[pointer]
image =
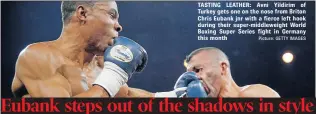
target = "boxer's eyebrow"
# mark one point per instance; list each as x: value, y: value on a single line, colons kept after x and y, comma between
x: 193, y: 67
x: 112, y: 10
x: 197, y: 66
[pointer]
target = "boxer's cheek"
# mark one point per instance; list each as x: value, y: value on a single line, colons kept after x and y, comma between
x: 217, y: 84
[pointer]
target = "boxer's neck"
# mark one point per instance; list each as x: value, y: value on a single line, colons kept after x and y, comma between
x: 230, y: 90
x: 72, y: 44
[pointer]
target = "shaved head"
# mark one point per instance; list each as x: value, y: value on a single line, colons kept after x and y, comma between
x: 215, y: 54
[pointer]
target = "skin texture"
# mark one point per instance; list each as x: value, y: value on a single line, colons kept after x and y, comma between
x: 213, y: 69
x: 68, y: 66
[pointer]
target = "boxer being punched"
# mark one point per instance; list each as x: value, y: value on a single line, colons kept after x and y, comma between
x: 212, y: 67
x: 87, y: 60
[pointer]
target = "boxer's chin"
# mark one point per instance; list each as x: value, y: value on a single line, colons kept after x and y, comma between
x: 210, y: 94
x: 96, y: 49
x: 99, y: 53
x: 101, y: 50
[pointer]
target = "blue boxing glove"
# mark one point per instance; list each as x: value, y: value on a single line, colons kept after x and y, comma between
x: 127, y: 54
x: 193, y: 84
x: 187, y: 85
x: 121, y: 61
x: 195, y: 89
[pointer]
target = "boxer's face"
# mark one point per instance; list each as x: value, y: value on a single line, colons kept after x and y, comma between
x: 102, y: 25
x: 208, y: 71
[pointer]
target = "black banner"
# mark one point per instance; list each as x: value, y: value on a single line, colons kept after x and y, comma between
x: 152, y: 105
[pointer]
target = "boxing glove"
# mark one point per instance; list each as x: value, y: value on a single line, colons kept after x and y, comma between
x: 195, y: 89
x: 121, y: 61
x: 187, y: 85
x: 193, y: 84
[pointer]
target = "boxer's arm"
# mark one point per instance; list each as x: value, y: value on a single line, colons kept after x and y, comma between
x: 53, y: 86
x: 135, y: 92
x: 260, y: 90
x: 126, y: 91
x: 57, y: 86
x: 186, y: 82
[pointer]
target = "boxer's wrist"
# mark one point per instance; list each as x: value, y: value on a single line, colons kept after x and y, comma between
x: 99, y: 91
x: 176, y: 93
x: 111, y: 78
x: 166, y: 94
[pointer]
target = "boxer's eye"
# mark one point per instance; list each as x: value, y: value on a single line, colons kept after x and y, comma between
x: 112, y: 15
x: 196, y: 70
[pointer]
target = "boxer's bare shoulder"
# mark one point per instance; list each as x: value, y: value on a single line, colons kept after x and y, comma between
x: 41, y: 57
x: 37, y: 71
x: 258, y: 90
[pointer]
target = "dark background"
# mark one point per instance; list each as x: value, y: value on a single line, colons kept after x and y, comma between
x: 168, y: 31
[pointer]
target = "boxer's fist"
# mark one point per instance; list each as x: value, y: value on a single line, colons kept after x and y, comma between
x: 196, y: 89
x: 121, y: 60
x: 127, y: 54
x: 193, y: 84
x: 185, y: 79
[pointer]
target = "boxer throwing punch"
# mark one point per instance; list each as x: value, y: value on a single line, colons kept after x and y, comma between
x: 90, y: 60
x: 87, y: 60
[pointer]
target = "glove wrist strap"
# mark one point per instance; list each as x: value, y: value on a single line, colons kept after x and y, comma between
x: 166, y: 94
x: 111, y: 78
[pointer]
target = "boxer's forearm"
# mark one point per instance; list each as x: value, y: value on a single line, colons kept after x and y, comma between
x: 134, y: 92
x: 95, y: 91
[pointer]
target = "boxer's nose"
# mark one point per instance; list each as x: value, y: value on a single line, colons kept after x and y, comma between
x: 118, y: 27
x: 198, y: 76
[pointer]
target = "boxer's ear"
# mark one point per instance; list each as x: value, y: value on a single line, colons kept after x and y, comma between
x: 81, y: 13
x: 224, y: 68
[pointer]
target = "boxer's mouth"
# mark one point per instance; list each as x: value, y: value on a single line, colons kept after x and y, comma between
x: 207, y: 90
x: 111, y: 42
